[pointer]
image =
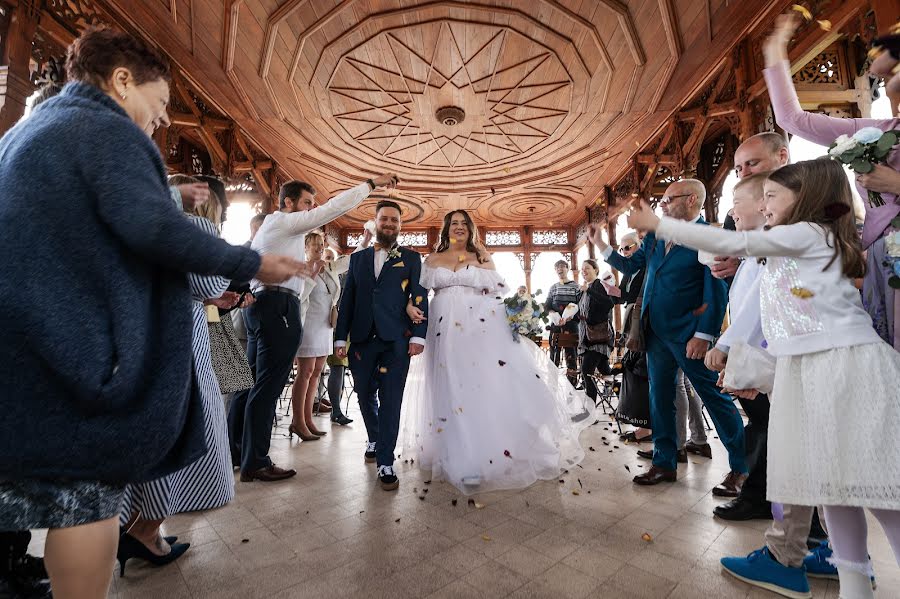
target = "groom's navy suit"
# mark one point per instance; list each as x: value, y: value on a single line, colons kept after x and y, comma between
x: 373, y: 317
x: 681, y: 300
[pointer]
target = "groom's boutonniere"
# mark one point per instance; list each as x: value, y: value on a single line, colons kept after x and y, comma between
x: 394, y: 253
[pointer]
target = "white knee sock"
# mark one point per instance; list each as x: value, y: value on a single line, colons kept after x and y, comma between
x: 854, y: 583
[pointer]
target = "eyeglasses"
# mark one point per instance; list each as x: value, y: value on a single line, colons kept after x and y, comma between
x: 629, y: 247
x: 666, y: 200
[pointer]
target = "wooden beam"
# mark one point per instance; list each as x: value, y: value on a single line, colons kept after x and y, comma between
x: 658, y: 159
x: 247, y: 166
x: 186, y: 119
x: 258, y: 174
x: 215, y: 149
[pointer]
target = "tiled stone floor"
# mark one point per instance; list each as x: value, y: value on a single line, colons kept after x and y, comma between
x: 332, y: 532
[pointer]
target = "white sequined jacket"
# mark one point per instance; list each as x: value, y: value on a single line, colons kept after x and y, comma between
x: 806, y: 304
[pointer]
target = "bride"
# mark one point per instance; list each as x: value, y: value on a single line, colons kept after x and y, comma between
x: 484, y: 411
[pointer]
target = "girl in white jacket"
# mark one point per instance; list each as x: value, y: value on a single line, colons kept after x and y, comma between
x: 833, y: 428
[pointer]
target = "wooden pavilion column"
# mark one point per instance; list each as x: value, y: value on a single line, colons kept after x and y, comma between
x: 15, y: 55
x: 526, y: 252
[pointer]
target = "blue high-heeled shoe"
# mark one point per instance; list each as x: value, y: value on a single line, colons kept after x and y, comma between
x: 130, y: 547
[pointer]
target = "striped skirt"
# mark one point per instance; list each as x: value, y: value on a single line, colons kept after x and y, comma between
x: 207, y: 483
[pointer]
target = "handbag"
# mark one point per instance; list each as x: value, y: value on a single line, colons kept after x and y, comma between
x: 634, y: 395
x: 229, y: 361
x: 597, y: 333
x: 633, y: 326
x: 749, y: 367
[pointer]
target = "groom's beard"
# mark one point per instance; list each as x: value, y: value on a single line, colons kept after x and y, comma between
x: 385, y: 239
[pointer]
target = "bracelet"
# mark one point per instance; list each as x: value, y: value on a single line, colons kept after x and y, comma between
x: 371, y: 184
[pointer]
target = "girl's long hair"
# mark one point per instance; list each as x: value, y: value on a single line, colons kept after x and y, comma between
x: 824, y: 198
x: 473, y: 244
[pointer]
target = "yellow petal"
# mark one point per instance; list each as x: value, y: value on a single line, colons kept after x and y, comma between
x: 478, y: 506
x: 825, y: 24
x: 646, y: 537
x: 462, y: 258
x: 440, y: 430
x: 803, y: 11
x: 418, y: 299
x: 382, y: 370
x: 802, y: 292
x: 576, y: 492
x: 485, y: 538
x: 404, y: 283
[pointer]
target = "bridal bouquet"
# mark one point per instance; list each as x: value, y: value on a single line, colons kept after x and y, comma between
x: 861, y: 152
x: 525, y: 316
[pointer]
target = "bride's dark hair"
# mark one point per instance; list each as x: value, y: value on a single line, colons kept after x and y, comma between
x: 473, y: 244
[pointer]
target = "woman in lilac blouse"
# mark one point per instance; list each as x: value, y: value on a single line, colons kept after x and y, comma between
x: 882, y: 303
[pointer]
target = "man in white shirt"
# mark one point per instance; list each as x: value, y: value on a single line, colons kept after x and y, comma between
x: 274, y: 330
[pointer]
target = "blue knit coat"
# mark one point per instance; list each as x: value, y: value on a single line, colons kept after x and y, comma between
x: 95, y: 315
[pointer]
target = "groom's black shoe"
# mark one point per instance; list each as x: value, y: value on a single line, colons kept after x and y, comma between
x: 370, y: 453
x: 387, y: 478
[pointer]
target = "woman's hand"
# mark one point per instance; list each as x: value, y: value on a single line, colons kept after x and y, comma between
x: 415, y: 314
x: 882, y: 179
x: 775, y: 46
x: 642, y: 218
x: 226, y: 301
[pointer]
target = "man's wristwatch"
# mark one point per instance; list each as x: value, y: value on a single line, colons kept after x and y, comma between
x: 371, y: 184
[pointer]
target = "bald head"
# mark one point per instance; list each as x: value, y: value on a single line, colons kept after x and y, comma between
x: 685, y: 198
x: 762, y: 152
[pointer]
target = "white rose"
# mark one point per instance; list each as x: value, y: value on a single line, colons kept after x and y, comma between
x: 868, y: 135
x: 844, y: 143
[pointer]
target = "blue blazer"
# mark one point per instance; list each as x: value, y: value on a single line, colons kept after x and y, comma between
x: 367, y: 302
x: 681, y: 296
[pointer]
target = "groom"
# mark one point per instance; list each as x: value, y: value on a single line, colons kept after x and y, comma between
x: 381, y: 281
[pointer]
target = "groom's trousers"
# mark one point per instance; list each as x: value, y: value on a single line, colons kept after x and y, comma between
x: 274, y: 332
x: 380, y: 366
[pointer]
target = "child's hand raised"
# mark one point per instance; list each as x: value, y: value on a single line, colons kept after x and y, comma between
x: 641, y: 217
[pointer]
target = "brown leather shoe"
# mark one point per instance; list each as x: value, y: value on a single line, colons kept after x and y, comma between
x: 267, y: 475
x: 731, y: 486
x: 655, y: 475
x: 704, y: 450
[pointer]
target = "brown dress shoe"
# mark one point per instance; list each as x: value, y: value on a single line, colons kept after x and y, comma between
x: 267, y: 474
x: 701, y: 450
x: 655, y: 475
x: 731, y: 486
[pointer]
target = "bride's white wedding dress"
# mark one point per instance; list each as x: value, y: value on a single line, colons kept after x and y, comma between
x: 482, y: 411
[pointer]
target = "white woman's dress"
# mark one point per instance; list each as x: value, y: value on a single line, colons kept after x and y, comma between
x: 482, y: 411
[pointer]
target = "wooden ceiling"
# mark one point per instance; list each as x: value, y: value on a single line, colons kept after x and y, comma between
x: 549, y: 99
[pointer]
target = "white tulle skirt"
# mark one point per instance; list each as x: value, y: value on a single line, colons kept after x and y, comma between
x: 833, y: 428
x: 482, y: 411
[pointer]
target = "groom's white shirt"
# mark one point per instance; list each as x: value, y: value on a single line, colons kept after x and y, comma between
x: 381, y: 255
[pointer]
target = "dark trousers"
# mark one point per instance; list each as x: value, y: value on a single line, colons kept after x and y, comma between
x: 380, y: 367
x: 756, y: 441
x: 664, y: 358
x: 336, y: 389
x: 274, y: 332
x: 591, y: 362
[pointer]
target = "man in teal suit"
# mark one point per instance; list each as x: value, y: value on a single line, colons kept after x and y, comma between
x: 683, y: 309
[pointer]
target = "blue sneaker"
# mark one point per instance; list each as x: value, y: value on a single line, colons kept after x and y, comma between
x: 762, y: 570
x: 818, y: 566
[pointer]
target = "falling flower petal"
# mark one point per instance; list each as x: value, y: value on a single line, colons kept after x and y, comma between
x: 418, y: 299
x: 440, y: 430
x: 646, y: 537
x: 501, y: 362
x: 591, y: 449
x: 245, y: 540
x: 506, y: 453
x: 627, y: 468
x: 403, y: 284
x: 802, y: 292
x: 462, y: 258
x: 397, y: 520
x: 382, y: 370
x: 478, y: 506
x: 803, y: 11
x: 576, y: 492
x: 485, y: 538
x: 824, y: 24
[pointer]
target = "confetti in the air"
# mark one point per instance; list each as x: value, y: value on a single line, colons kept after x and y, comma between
x: 803, y: 11
x: 646, y: 537
x: 802, y: 292
x: 403, y: 284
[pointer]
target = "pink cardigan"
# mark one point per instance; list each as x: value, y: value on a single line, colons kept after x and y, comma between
x: 823, y: 130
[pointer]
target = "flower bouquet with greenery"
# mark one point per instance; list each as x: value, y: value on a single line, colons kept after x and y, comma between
x: 525, y: 316
x: 863, y: 150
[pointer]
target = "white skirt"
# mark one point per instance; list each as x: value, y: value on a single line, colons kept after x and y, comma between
x: 834, y: 428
